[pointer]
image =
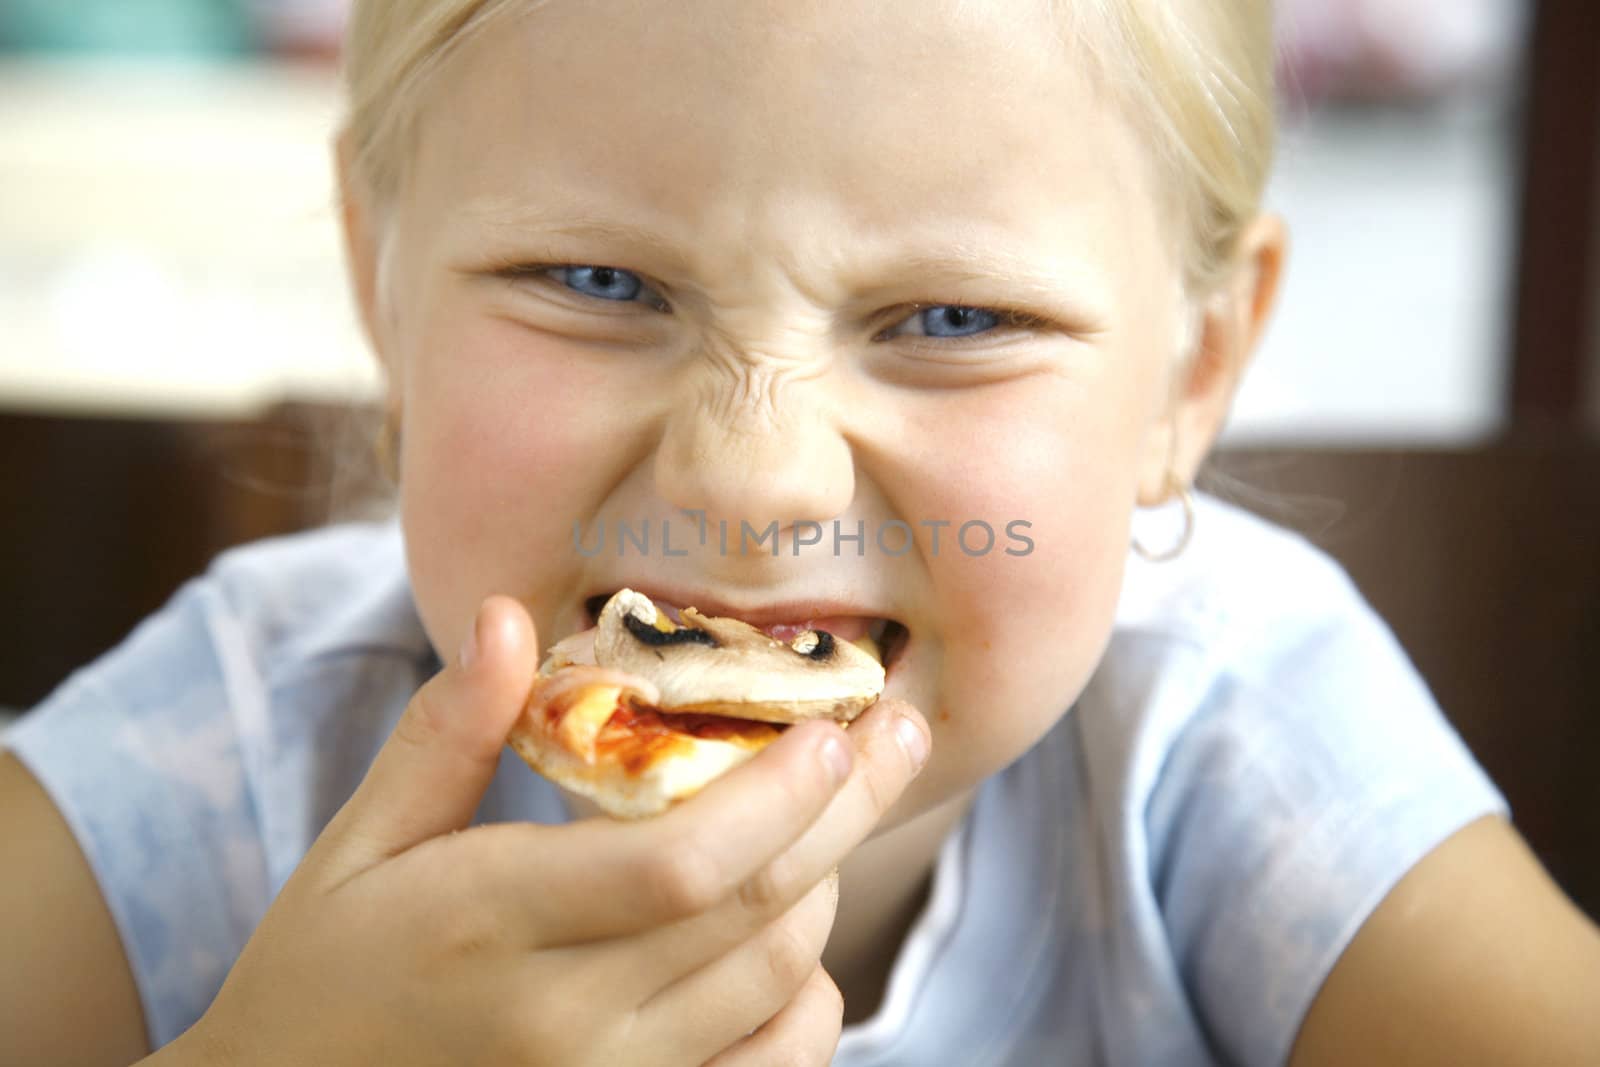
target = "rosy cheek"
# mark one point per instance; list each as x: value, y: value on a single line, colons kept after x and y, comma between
x: 502, y: 451
x: 1050, y: 489
x: 1064, y: 489
x: 506, y: 415
x: 1043, y: 596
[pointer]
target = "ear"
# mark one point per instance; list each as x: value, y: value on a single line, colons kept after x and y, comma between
x: 1203, y: 385
x: 361, y: 245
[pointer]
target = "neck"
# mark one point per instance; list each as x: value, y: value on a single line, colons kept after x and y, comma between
x: 883, y: 886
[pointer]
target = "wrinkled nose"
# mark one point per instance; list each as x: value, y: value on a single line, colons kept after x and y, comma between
x: 777, y: 456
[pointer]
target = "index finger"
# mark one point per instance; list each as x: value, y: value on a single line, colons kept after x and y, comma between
x: 599, y: 879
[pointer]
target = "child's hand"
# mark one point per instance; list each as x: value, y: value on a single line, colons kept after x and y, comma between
x: 399, y: 941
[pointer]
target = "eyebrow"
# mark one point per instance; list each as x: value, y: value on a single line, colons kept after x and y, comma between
x: 524, y: 222
x: 1021, y: 274
x: 1072, y: 288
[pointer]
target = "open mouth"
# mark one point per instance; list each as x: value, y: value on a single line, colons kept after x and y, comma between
x: 883, y: 638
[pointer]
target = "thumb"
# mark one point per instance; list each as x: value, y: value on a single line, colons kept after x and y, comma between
x: 431, y: 774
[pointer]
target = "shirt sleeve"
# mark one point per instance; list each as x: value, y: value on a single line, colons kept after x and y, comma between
x: 141, y: 754
x: 1288, y: 807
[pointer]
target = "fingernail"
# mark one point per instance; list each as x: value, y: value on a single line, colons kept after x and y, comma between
x: 836, y: 757
x: 913, y: 740
x: 469, y: 647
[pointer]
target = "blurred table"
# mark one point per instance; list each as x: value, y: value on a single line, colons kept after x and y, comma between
x: 168, y: 240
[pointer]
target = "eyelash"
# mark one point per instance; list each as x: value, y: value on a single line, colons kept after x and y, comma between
x: 1009, y: 319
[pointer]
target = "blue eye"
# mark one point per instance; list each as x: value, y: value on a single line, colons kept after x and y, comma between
x: 604, y: 283
x: 618, y: 286
x: 958, y: 321
x: 950, y: 320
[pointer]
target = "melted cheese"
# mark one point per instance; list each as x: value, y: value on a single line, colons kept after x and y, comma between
x: 588, y: 715
x: 672, y: 754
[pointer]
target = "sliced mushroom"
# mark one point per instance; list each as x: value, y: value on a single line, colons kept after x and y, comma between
x: 574, y: 650
x: 722, y: 666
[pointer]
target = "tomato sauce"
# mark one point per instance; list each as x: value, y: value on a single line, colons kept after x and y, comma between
x: 637, y: 737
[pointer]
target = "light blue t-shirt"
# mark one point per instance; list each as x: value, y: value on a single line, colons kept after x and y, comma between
x: 1166, y: 878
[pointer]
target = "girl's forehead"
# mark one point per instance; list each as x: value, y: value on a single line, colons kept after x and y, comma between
x: 730, y: 116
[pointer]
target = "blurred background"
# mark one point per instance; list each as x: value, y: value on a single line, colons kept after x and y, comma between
x: 165, y: 197
x: 180, y: 368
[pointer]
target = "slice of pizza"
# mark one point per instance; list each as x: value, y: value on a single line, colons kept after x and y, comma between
x: 643, y: 711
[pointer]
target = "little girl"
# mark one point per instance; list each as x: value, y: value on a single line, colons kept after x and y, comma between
x: 956, y: 294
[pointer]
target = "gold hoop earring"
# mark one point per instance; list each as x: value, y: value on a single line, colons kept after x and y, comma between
x: 1186, y: 498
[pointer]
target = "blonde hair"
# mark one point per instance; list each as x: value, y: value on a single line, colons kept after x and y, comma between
x: 392, y: 49
x: 1195, y: 76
